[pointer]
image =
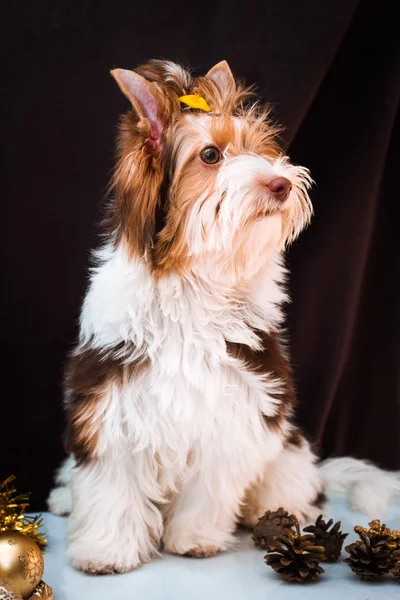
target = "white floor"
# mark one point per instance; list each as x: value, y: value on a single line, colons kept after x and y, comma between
x: 239, y: 575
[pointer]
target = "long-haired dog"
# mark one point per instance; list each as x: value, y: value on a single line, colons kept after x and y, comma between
x: 179, y: 394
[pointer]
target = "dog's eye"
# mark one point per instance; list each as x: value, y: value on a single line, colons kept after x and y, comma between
x: 210, y: 155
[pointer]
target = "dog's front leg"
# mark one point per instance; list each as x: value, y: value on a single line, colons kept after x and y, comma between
x: 114, y: 525
x: 201, y: 520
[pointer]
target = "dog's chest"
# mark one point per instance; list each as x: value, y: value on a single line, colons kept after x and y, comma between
x: 194, y: 395
x: 192, y: 392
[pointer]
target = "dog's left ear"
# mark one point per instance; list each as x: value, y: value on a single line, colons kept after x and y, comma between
x: 142, y: 95
x: 222, y: 76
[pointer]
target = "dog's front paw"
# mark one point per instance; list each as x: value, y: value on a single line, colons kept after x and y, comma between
x: 197, y: 545
x: 97, y: 560
x: 203, y: 551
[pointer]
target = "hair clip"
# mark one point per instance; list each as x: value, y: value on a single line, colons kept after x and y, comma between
x: 195, y: 101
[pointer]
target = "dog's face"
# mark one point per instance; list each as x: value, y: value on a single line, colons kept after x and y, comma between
x: 202, y: 189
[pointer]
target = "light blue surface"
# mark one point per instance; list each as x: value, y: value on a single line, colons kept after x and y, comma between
x: 238, y: 575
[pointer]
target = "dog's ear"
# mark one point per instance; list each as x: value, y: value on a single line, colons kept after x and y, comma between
x: 222, y: 76
x: 142, y: 95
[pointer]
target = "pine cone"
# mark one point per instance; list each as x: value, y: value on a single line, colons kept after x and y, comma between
x: 370, y: 558
x: 396, y: 569
x: 331, y: 540
x: 271, y: 525
x: 295, y: 557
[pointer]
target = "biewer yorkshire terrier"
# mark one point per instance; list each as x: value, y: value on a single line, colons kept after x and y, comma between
x: 179, y: 394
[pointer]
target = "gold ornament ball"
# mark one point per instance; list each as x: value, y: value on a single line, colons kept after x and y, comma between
x: 21, y: 562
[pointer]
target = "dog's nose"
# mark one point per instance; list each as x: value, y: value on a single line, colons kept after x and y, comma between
x: 280, y: 188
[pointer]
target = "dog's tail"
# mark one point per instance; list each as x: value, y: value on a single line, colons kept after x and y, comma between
x: 369, y: 489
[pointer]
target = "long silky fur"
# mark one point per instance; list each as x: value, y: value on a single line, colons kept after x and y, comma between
x: 179, y: 394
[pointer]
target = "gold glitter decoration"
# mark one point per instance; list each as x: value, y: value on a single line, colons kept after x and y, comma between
x: 12, y: 513
x: 21, y: 561
x: 8, y: 591
x: 42, y: 592
x: 379, y: 531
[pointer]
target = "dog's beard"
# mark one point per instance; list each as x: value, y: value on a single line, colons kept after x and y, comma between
x: 232, y: 228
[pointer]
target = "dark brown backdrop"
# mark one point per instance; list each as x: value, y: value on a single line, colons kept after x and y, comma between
x: 331, y: 70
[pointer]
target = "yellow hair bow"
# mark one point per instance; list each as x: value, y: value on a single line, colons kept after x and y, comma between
x: 195, y: 101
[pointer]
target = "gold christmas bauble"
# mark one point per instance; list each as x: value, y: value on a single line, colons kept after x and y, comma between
x: 21, y: 562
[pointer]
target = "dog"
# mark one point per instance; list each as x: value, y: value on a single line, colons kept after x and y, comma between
x: 179, y: 394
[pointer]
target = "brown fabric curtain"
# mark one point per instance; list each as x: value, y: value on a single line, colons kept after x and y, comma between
x: 331, y: 72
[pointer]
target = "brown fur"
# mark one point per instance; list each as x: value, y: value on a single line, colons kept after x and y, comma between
x: 148, y: 212
x: 251, y: 509
x: 320, y: 500
x: 170, y: 250
x: 88, y: 374
x: 295, y: 438
x: 133, y: 211
x: 270, y: 359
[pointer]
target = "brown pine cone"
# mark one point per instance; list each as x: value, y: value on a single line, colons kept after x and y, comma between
x: 396, y: 570
x: 331, y: 540
x: 370, y: 558
x: 271, y: 525
x: 296, y: 557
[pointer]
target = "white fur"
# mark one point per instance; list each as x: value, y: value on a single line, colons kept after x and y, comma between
x: 182, y: 442
x: 60, y: 499
x: 179, y: 444
x: 114, y: 524
x: 216, y: 242
x: 289, y: 479
x: 368, y: 488
x: 64, y: 473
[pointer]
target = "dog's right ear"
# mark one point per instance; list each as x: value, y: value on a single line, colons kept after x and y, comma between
x: 221, y: 74
x: 142, y: 95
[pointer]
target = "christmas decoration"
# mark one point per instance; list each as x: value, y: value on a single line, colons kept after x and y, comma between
x: 296, y: 557
x: 42, y: 592
x: 12, y: 513
x: 378, y: 532
x: 370, y: 557
x: 21, y: 562
x: 8, y: 591
x: 330, y: 539
x: 271, y: 525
